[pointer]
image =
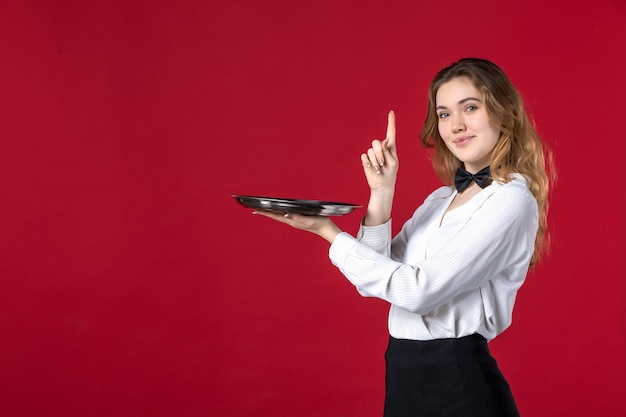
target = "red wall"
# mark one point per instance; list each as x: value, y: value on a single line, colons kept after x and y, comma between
x: 132, y: 284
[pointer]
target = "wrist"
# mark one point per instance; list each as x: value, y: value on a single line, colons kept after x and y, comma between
x: 329, y: 232
x: 382, y: 194
x: 379, y: 208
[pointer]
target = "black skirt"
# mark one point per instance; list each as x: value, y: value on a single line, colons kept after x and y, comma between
x: 445, y: 377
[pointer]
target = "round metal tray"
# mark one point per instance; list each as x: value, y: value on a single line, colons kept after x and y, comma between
x: 295, y: 206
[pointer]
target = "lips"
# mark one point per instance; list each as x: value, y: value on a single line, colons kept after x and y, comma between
x: 462, y: 140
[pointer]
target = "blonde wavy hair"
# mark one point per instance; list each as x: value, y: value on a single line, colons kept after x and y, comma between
x: 519, y: 148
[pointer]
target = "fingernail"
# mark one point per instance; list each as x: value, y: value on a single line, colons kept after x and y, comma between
x: 288, y: 216
x: 381, y: 161
x: 386, y: 141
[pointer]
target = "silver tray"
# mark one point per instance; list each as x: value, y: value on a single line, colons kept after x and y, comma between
x: 295, y: 206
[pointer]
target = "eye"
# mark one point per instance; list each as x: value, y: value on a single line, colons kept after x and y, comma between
x: 471, y: 108
x: 443, y: 115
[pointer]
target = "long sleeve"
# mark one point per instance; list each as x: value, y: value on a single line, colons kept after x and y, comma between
x: 490, y: 239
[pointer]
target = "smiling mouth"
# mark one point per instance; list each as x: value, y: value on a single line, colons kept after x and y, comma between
x: 462, y: 140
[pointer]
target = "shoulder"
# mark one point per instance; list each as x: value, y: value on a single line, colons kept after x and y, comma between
x: 517, y: 185
x: 515, y: 192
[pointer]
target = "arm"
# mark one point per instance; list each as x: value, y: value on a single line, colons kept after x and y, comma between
x: 380, y: 165
x: 497, y: 241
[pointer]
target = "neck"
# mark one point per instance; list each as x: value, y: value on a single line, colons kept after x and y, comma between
x: 473, y: 169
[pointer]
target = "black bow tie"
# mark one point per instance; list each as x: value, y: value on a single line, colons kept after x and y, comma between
x: 463, y: 179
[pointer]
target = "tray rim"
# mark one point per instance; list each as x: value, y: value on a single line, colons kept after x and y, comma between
x: 302, y: 206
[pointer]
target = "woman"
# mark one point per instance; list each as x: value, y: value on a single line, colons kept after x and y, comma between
x: 452, y: 273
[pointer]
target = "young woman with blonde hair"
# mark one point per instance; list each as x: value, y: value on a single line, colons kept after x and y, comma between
x: 452, y: 273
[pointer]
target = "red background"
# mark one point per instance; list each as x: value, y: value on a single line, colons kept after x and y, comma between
x: 132, y: 284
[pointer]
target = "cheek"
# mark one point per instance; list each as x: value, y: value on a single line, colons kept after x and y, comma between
x: 441, y: 130
x: 496, y: 133
x: 493, y: 127
x: 447, y: 144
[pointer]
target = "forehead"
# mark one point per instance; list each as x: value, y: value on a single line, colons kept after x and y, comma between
x: 454, y: 91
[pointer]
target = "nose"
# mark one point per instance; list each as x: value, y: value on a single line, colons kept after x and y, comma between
x: 458, y: 124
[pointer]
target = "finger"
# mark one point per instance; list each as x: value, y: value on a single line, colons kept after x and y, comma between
x: 379, y: 153
x: 365, y: 160
x: 391, y: 132
x: 275, y: 216
x: 373, y: 160
x: 368, y: 166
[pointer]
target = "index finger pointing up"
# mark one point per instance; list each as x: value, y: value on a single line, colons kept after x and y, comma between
x: 391, y: 131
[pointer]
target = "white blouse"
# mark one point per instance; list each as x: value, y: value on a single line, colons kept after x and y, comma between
x: 452, y: 276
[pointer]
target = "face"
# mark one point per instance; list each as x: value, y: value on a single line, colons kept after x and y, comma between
x: 464, y: 123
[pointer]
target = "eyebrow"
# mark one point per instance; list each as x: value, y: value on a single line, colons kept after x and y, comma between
x: 462, y: 102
